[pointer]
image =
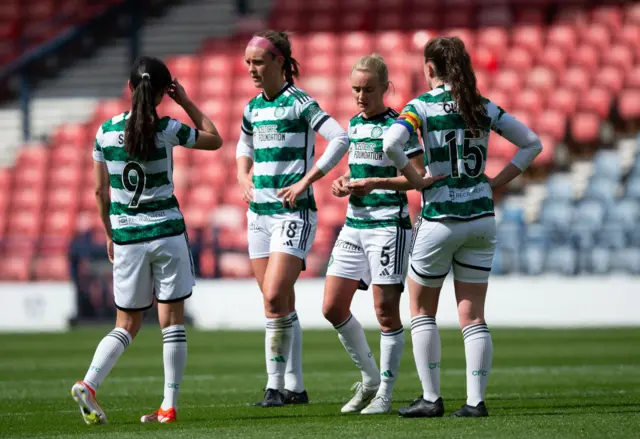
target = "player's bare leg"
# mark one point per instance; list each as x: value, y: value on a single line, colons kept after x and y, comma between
x: 338, y: 295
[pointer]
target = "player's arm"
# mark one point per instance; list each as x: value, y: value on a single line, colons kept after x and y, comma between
x: 244, y: 156
x: 366, y: 185
x: 393, y: 144
x: 206, y: 135
x: 101, y: 184
x: 338, y: 146
x: 523, y: 137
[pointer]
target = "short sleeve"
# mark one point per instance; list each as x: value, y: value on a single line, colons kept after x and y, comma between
x: 98, y: 156
x: 181, y: 134
x: 246, y: 126
x: 311, y: 112
x: 410, y: 118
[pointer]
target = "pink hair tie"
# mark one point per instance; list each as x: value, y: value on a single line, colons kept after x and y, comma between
x: 265, y: 44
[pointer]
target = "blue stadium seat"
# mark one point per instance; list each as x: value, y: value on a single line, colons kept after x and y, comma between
x: 505, y: 261
x: 532, y: 260
x: 590, y: 213
x: 582, y: 236
x: 513, y: 214
x: 612, y: 235
x: 561, y: 260
x: 607, y: 165
x: 632, y: 189
x: 556, y: 215
x: 537, y: 235
x: 626, y: 260
x: 559, y: 188
x: 634, y: 237
x: 601, y: 189
x: 496, y: 265
x: 597, y: 261
x: 624, y: 212
x: 509, y: 235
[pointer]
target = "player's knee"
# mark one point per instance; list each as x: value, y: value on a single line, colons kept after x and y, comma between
x: 388, y: 315
x: 275, y: 303
x: 335, y: 313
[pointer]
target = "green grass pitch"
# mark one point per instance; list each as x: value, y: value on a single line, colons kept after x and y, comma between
x: 545, y: 383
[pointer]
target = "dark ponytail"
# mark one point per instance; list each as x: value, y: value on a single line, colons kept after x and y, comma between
x: 452, y: 64
x: 290, y: 67
x: 149, y: 78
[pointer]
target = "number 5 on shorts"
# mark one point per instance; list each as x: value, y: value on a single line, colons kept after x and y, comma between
x: 384, y: 256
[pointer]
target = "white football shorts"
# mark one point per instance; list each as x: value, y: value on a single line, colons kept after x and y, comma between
x: 468, y: 246
x: 377, y: 256
x: 163, y: 267
x: 291, y: 233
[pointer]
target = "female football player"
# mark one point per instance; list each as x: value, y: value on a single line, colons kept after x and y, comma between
x: 146, y: 234
x: 373, y: 246
x: 457, y: 225
x: 277, y: 141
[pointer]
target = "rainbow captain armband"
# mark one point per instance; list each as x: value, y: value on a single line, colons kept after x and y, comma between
x: 410, y: 121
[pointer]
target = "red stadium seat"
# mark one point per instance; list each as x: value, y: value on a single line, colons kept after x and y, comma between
x: 576, y: 79
x: 523, y: 116
x: 233, y: 239
x: 541, y: 79
x: 208, y: 263
x: 585, y: 127
x: 59, y: 223
x: 63, y: 198
x: 508, y: 81
x: 571, y: 15
x: 72, y: 135
x: 483, y: 81
x: 620, y: 56
x: 67, y: 155
x: 552, y: 123
x: 563, y: 36
x: 495, y: 39
x: 53, y: 268
x: 235, y: 265
x: 629, y: 35
x: 24, y: 223
x: 467, y: 35
x: 15, y: 268
x: 563, y: 100
x: 184, y: 67
x: 390, y: 42
x: 529, y: 100
x: 529, y: 37
x: 494, y: 166
x: 461, y: 17
x: 107, y: 109
x: 586, y: 57
x: 216, y: 66
x: 203, y: 195
x: 499, y: 147
x: 611, y: 78
x: 608, y: 15
x: 598, y: 36
x: 632, y: 13
x: 597, y: 100
x: 196, y: 216
x: 629, y: 104
x: 518, y: 59
x: 216, y: 87
x: 65, y: 176
x: 531, y: 16
x: 553, y: 58
x: 322, y: 42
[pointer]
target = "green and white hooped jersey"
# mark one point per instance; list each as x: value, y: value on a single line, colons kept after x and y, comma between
x: 454, y: 151
x: 143, y: 207
x: 382, y: 207
x: 282, y: 130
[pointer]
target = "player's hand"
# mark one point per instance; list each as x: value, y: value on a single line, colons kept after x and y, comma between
x: 339, y: 187
x: 362, y: 187
x: 110, y: 249
x: 290, y: 194
x: 177, y: 93
x: 246, y: 184
x: 428, y: 180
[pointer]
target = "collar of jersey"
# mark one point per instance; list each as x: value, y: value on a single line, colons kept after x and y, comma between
x: 377, y: 116
x: 282, y: 90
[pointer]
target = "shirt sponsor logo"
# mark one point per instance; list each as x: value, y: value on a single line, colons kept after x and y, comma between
x: 365, y: 151
x: 269, y: 133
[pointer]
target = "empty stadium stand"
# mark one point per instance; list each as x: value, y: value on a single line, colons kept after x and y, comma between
x: 571, y: 73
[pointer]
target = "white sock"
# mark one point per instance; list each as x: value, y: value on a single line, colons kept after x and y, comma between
x: 293, y: 379
x: 478, y: 349
x: 174, y: 353
x: 427, y: 353
x: 277, y: 349
x: 107, y: 353
x: 391, y: 346
x: 352, y: 336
